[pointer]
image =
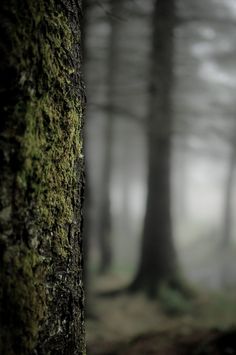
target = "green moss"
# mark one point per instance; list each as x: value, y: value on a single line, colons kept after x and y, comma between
x: 22, y: 292
x: 51, y: 153
x: 50, y: 144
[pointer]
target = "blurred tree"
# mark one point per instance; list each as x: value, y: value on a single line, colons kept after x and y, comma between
x: 104, y: 213
x: 41, y: 295
x: 228, y: 195
x: 158, y: 255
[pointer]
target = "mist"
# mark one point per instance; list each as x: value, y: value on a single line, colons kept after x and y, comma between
x: 160, y: 140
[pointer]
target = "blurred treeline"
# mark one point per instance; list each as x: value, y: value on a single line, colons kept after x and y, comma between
x: 160, y: 142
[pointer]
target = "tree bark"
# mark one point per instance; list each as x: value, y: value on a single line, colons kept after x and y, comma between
x: 158, y: 256
x: 42, y: 100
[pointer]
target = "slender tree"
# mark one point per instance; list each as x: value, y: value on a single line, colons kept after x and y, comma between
x: 158, y: 255
x: 228, y: 210
x: 41, y: 294
x: 104, y: 217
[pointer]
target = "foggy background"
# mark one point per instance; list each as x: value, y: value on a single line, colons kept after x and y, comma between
x: 118, y: 56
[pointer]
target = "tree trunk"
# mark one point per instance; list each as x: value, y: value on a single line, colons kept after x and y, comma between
x: 104, y: 219
x: 158, y: 255
x: 228, y: 211
x: 41, y: 296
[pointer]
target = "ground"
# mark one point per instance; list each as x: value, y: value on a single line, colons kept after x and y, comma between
x: 132, y: 325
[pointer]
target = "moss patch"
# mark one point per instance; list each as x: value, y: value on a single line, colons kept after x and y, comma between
x: 21, y: 293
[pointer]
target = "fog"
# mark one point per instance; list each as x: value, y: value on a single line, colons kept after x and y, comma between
x: 118, y: 62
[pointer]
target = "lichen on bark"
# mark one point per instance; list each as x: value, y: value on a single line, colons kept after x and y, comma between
x: 42, y: 178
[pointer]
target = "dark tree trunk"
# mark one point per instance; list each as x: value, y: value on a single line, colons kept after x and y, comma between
x: 158, y: 256
x: 228, y: 210
x: 104, y: 219
x: 41, y: 295
x: 87, y: 214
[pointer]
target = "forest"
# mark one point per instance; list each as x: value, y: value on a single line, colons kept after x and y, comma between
x: 118, y: 163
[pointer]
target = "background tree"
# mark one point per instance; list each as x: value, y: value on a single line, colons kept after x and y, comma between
x: 42, y: 100
x: 228, y: 194
x: 104, y: 213
x: 158, y: 256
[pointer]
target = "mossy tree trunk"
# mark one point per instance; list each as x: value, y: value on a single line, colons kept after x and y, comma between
x: 41, y: 295
x: 158, y: 255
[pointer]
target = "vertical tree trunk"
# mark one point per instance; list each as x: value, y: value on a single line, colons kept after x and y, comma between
x: 228, y: 211
x: 41, y: 296
x: 158, y: 256
x: 104, y: 219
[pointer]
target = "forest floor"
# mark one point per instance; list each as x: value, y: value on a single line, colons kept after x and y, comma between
x: 134, y: 325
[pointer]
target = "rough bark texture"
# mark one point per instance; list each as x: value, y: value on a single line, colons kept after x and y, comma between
x: 41, y: 295
x: 158, y: 257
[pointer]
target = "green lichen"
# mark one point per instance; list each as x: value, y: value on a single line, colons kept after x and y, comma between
x: 22, y: 292
x: 50, y: 144
x: 49, y: 165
